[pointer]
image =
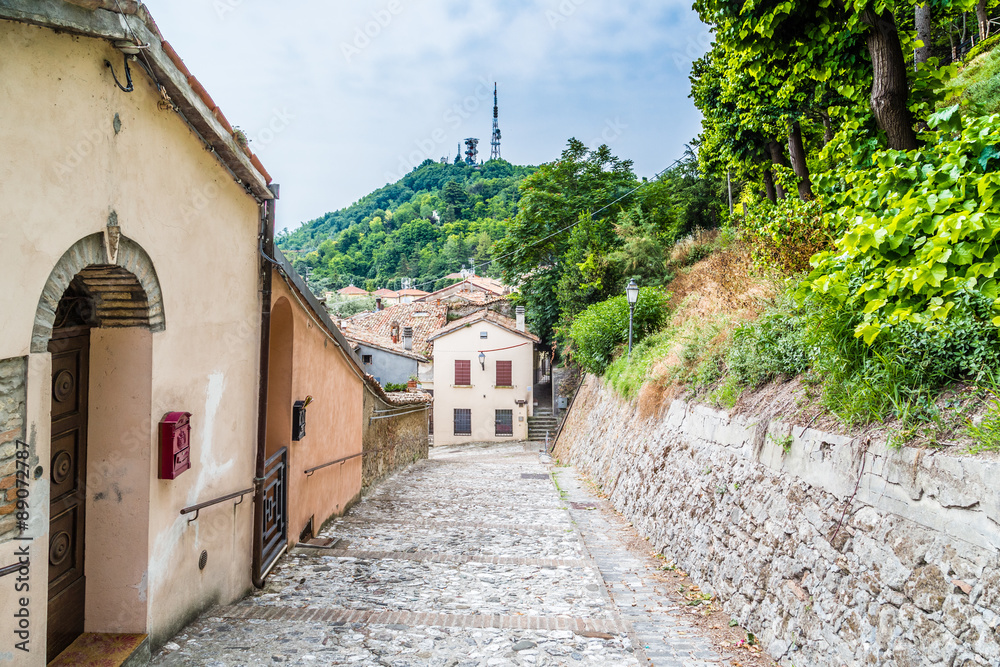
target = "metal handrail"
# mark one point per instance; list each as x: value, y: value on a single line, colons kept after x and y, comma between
x: 200, y: 506
x: 562, y: 422
x: 11, y: 569
x: 345, y: 459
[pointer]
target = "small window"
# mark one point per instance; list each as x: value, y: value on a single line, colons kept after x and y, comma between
x: 430, y: 422
x: 366, y: 358
x: 463, y: 421
x: 463, y: 372
x: 484, y: 334
x: 505, y: 422
x: 504, y: 374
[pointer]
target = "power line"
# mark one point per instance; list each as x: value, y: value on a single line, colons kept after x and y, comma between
x: 590, y: 216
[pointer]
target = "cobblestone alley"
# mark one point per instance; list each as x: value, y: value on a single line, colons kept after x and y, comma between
x: 474, y: 557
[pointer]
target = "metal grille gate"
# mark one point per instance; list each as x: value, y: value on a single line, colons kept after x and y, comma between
x: 275, y: 516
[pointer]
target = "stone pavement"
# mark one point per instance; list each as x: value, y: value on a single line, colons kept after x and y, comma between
x: 472, y: 558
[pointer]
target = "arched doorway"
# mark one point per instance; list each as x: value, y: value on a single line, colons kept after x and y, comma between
x: 96, y: 320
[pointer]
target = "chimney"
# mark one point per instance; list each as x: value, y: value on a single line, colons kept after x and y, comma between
x: 407, y: 338
x: 394, y: 332
x: 378, y: 303
x: 520, y: 318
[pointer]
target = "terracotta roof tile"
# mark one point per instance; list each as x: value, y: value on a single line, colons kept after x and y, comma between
x: 412, y: 292
x: 377, y: 326
x: 351, y: 290
x: 386, y: 293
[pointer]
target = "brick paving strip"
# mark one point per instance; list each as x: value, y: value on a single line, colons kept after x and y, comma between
x: 579, y: 626
x: 433, y: 557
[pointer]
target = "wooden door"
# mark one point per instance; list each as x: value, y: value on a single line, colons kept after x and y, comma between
x: 68, y: 476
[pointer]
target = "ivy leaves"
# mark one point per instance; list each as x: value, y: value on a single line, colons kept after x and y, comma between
x: 917, y: 230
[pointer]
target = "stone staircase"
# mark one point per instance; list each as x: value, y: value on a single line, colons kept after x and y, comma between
x: 543, y: 421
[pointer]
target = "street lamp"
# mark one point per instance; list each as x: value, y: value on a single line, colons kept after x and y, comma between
x: 632, y: 292
x: 482, y: 360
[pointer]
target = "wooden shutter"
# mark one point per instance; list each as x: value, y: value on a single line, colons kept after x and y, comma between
x: 463, y: 372
x: 504, y: 374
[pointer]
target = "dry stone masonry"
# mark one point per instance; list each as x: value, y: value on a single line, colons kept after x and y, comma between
x: 12, y: 415
x: 837, y: 552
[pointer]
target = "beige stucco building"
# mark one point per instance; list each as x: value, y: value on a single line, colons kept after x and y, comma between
x: 482, y: 379
x: 139, y: 295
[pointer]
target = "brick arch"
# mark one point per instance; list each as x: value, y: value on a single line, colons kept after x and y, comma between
x: 133, y: 276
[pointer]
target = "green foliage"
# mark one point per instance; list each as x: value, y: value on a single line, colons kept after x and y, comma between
x: 627, y: 377
x: 426, y: 225
x: 350, y: 307
x: 394, y: 386
x: 600, y: 329
x: 783, y: 235
x: 982, y: 47
x: 769, y: 346
x: 978, y: 84
x: 916, y: 230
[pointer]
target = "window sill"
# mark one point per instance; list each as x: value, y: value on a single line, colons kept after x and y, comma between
x: 503, y: 386
x: 463, y: 386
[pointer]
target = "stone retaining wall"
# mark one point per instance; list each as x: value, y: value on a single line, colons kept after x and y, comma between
x: 13, y: 399
x: 839, y: 552
x: 391, y: 444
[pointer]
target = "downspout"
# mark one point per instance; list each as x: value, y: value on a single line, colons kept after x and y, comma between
x: 267, y: 271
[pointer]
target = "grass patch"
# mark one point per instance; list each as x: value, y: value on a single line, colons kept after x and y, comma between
x: 979, y: 83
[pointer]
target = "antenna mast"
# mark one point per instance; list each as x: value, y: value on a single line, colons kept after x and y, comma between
x: 495, y: 143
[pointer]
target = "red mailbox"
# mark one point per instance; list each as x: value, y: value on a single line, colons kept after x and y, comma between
x: 175, y: 444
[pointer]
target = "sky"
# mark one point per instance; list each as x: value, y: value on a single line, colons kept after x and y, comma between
x: 339, y: 98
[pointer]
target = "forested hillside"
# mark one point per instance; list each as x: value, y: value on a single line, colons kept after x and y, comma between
x: 862, y: 255
x: 428, y: 224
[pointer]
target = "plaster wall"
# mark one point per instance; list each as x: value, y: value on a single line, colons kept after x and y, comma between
x: 333, y: 423
x: 903, y: 573
x: 387, y: 367
x: 483, y: 397
x: 65, y: 169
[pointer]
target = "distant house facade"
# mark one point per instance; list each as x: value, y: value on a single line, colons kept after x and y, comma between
x: 386, y: 297
x: 483, y: 379
x: 410, y: 295
x: 392, y: 342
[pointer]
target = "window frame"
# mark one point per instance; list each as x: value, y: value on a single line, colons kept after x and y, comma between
x: 497, y: 424
x: 455, y: 421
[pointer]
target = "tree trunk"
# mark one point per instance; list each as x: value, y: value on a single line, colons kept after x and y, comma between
x: 769, y: 186
x: 983, y: 19
x: 777, y: 157
x: 798, y: 154
x: 922, y: 17
x: 889, y: 90
x: 827, y: 126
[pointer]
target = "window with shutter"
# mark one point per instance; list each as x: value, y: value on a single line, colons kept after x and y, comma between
x: 463, y: 421
x: 504, y: 374
x: 463, y: 372
x: 505, y: 422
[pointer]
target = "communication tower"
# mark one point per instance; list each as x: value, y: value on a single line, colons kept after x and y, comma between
x: 495, y: 143
x: 471, y: 151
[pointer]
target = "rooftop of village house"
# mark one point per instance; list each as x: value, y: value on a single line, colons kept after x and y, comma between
x: 486, y: 315
x: 385, y: 327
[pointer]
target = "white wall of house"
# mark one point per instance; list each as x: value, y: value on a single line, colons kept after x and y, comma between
x: 482, y: 397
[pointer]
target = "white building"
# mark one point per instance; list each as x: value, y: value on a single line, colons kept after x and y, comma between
x: 483, y: 377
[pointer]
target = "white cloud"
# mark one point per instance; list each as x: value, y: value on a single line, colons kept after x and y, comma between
x: 368, y: 84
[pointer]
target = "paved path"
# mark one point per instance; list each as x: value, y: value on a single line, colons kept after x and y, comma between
x: 472, y: 558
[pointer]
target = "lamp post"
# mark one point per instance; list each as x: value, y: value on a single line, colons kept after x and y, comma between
x: 632, y: 292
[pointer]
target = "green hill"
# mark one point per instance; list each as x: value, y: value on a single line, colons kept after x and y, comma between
x: 424, y: 226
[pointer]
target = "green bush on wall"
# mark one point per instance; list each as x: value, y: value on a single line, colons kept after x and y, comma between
x: 602, y: 327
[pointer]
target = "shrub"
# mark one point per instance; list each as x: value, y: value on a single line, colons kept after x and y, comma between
x: 983, y: 46
x: 785, y: 234
x: 773, y: 344
x: 601, y: 328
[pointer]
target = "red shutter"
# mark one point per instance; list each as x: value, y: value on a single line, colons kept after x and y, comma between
x: 463, y: 372
x: 504, y: 374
